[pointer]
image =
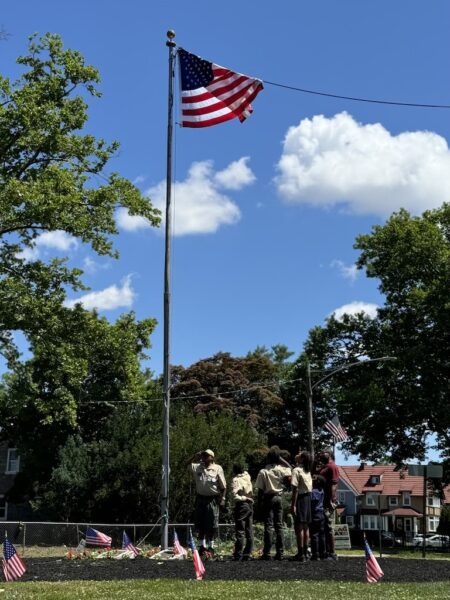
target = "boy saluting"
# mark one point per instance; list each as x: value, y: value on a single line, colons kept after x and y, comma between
x: 211, y: 487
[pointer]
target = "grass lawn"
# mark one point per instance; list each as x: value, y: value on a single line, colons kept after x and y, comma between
x: 223, y: 590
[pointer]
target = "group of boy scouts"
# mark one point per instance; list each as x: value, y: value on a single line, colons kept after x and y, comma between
x: 313, y: 501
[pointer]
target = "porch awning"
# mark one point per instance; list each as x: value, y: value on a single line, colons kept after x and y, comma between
x: 403, y: 512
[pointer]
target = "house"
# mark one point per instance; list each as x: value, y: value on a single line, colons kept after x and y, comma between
x: 9, y: 467
x: 374, y: 497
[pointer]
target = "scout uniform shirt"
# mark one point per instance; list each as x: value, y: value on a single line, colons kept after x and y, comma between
x: 241, y: 487
x: 209, y: 481
x: 270, y: 480
x: 301, y: 480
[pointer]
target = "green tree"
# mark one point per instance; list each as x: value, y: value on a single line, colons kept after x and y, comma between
x: 444, y: 521
x: 390, y: 408
x: 52, y: 178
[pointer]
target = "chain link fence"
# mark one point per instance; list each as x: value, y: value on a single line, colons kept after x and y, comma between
x: 56, y: 538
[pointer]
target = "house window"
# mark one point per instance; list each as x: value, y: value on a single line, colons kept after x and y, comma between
x: 370, y: 522
x: 375, y: 479
x: 433, y: 523
x: 406, y: 498
x: 434, y: 501
x: 12, y: 461
x: 393, y: 501
x: 408, y: 524
x: 3, y: 509
x: 350, y: 521
x: 371, y: 499
x: 341, y: 497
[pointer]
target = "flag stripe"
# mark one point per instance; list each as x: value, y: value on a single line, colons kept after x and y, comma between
x: 373, y: 569
x: 213, y: 94
x: 12, y: 565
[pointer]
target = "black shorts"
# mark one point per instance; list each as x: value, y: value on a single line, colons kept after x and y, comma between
x: 303, y: 508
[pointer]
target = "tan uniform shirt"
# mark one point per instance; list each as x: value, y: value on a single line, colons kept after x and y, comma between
x: 301, y: 480
x: 209, y: 481
x: 270, y: 480
x: 241, y: 487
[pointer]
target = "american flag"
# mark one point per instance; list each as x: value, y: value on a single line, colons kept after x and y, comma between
x: 97, y: 538
x: 335, y: 428
x: 211, y: 94
x: 373, y: 569
x: 177, y: 547
x: 128, y: 545
x: 13, y: 565
x: 198, y: 564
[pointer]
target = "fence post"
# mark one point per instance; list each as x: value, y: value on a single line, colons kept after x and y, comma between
x: 23, y: 539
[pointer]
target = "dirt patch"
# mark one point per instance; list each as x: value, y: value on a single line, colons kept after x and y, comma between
x: 345, y: 569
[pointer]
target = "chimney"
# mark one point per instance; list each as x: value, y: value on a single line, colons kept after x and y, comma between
x: 361, y: 466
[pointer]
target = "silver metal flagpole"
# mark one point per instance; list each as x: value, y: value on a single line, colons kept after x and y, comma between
x: 166, y: 367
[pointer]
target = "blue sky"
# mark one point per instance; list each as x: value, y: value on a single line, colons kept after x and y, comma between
x: 283, y: 195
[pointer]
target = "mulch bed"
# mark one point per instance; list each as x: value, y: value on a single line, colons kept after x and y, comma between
x: 345, y: 569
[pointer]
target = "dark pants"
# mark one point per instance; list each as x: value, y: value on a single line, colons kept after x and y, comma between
x: 243, y: 521
x: 273, y: 519
x: 206, y: 517
x: 329, y: 533
x: 317, y: 535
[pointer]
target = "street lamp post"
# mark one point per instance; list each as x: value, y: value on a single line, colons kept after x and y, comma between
x: 312, y: 386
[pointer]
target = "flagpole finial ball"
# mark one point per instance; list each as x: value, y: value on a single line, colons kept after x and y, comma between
x: 171, y: 34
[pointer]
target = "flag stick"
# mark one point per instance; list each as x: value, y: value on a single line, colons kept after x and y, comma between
x: 166, y: 367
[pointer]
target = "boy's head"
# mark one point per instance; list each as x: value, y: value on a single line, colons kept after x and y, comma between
x: 238, y: 468
x: 273, y: 456
x: 319, y: 482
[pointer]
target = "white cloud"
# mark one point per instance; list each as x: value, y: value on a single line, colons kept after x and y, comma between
x: 139, y: 179
x: 338, y: 161
x: 354, y: 308
x: 57, y: 240
x: 60, y: 240
x: 198, y: 203
x: 108, y: 299
x: 128, y: 223
x: 91, y: 266
x: 236, y: 176
x: 347, y: 271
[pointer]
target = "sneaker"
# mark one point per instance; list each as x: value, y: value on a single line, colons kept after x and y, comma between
x: 314, y: 557
x: 296, y: 558
x: 332, y: 557
x: 278, y: 557
x: 265, y: 557
x: 245, y: 557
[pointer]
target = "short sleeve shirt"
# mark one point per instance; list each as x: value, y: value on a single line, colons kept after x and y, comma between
x: 331, y: 474
x: 270, y: 480
x: 301, y: 480
x: 209, y: 481
x: 241, y: 487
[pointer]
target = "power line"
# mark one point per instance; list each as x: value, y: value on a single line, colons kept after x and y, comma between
x: 355, y: 98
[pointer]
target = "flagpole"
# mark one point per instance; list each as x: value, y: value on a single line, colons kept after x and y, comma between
x: 166, y: 367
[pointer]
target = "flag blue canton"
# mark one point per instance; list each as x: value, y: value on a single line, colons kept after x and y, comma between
x: 195, y: 72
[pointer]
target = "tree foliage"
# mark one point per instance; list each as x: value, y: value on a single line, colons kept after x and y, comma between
x: 52, y: 178
x: 390, y: 408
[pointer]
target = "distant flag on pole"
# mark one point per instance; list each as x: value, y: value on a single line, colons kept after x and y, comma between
x: 211, y: 94
x: 177, y: 547
x: 373, y: 569
x: 198, y: 564
x: 97, y: 538
x: 128, y: 545
x: 13, y: 565
x: 334, y: 426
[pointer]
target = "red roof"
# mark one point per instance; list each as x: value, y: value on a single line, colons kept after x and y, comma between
x: 392, y: 481
x: 403, y: 512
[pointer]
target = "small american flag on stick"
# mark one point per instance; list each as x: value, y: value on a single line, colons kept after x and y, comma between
x: 373, y: 569
x: 177, y: 547
x: 13, y: 565
x: 211, y: 94
x: 128, y: 545
x: 334, y: 426
x: 198, y: 564
x: 97, y: 538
